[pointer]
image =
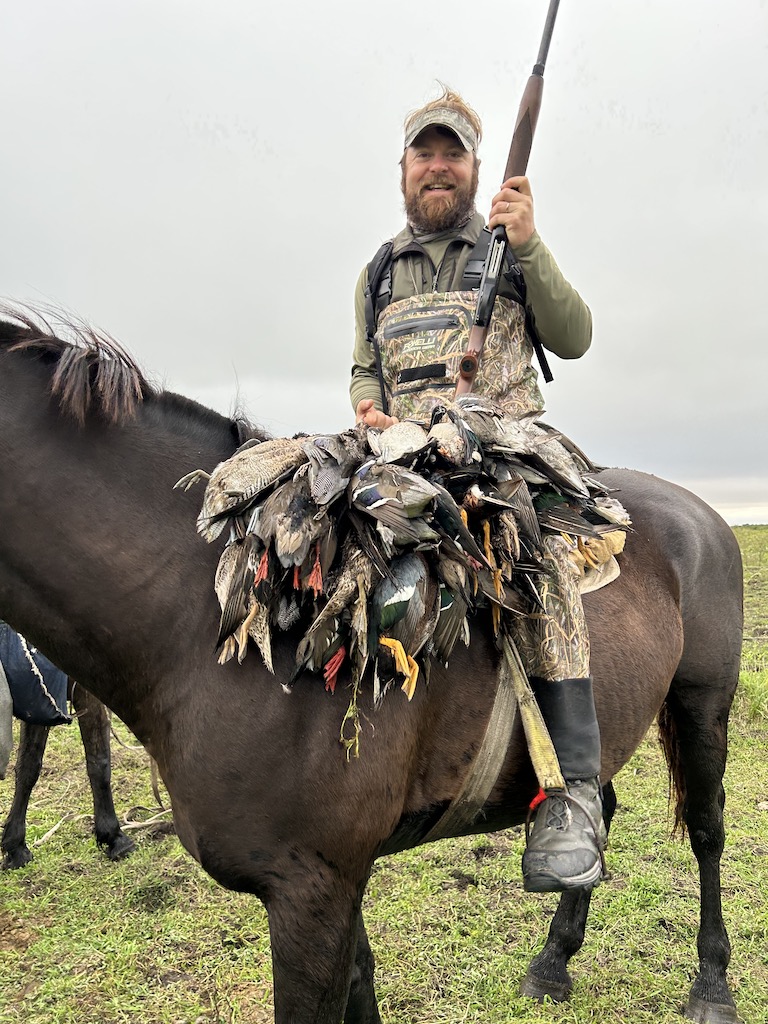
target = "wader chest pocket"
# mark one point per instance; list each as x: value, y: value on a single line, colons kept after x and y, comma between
x: 417, y: 324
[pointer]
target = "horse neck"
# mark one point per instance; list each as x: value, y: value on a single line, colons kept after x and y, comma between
x: 100, y: 561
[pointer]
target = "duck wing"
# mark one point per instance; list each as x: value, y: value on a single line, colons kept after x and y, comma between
x: 238, y: 482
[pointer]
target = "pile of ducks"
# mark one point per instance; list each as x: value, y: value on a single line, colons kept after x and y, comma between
x: 378, y: 545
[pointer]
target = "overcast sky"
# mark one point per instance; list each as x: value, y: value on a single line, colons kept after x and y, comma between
x: 205, y: 181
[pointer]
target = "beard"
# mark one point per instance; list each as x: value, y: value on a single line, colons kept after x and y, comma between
x: 428, y: 213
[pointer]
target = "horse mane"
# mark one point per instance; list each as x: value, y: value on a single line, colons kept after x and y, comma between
x: 91, y: 369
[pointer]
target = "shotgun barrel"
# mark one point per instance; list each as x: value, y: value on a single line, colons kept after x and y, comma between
x: 517, y: 164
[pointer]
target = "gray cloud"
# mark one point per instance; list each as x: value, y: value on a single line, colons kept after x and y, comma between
x: 206, y: 182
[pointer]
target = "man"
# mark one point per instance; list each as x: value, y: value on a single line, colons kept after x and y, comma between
x: 412, y: 326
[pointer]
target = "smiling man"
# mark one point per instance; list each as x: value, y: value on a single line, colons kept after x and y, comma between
x: 440, y: 251
x: 414, y: 307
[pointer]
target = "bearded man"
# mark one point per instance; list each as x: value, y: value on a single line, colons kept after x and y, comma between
x: 414, y: 306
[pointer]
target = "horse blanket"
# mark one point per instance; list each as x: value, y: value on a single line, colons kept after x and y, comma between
x: 38, y: 688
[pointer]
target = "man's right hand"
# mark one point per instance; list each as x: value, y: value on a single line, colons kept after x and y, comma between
x: 367, y: 413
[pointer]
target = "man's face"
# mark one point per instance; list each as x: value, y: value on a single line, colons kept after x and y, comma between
x: 439, y: 181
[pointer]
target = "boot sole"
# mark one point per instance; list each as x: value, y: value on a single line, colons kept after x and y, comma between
x: 546, y: 882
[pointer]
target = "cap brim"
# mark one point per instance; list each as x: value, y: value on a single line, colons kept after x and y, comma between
x: 443, y: 118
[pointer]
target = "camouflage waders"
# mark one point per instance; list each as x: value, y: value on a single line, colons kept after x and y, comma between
x: 421, y: 340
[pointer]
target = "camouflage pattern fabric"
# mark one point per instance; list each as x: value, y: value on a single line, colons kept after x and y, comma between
x: 422, y: 339
x: 554, y: 641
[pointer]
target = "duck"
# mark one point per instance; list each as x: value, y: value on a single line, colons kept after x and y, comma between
x: 238, y: 482
x: 300, y: 531
x: 380, y: 541
x: 330, y: 627
x: 399, y: 500
x: 242, y: 615
x: 234, y: 585
x: 453, y: 530
x: 452, y: 624
x: 333, y: 458
x: 403, y: 612
x: 287, y: 519
x: 404, y: 442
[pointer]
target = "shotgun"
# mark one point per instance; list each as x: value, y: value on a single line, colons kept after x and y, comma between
x: 517, y: 163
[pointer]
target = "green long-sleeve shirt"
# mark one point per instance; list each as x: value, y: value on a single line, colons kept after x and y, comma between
x: 563, y: 320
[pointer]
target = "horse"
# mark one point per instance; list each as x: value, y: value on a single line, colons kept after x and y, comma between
x: 102, y: 568
x: 94, y: 724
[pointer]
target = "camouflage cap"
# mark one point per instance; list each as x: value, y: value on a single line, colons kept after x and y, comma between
x: 446, y: 117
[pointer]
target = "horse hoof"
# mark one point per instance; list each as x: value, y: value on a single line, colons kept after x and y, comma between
x: 538, y: 988
x: 121, y: 847
x: 711, y: 1013
x: 17, y: 858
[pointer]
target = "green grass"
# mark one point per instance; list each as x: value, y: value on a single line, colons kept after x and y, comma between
x: 754, y: 551
x: 154, y: 940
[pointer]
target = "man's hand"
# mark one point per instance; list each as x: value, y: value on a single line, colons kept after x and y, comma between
x: 513, y: 208
x: 367, y: 413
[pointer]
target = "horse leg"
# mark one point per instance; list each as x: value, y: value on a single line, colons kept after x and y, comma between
x: 548, y: 972
x: 362, y: 1007
x: 29, y: 761
x: 314, y: 925
x: 698, y: 750
x: 93, y: 720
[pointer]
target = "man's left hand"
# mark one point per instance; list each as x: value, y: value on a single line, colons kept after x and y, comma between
x: 513, y: 208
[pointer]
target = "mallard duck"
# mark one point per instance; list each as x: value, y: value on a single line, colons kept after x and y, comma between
x: 403, y: 612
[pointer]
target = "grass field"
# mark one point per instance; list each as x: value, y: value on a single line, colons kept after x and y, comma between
x: 154, y: 940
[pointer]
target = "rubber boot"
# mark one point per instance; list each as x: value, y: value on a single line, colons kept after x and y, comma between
x: 565, y: 846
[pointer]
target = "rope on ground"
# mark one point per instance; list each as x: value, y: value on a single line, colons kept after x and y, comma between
x: 157, y: 820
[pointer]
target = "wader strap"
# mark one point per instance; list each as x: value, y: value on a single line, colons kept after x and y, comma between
x: 514, y: 274
x: 473, y: 272
x: 379, y: 284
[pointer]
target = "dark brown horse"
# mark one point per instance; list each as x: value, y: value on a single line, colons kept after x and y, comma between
x: 97, y: 545
x: 94, y: 724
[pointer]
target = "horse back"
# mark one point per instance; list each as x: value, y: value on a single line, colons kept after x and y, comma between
x: 681, y: 572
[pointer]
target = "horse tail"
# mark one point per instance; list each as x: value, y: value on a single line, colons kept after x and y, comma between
x: 670, y: 744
